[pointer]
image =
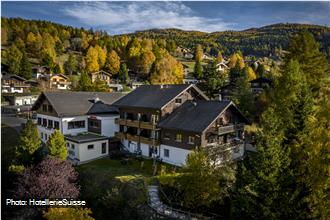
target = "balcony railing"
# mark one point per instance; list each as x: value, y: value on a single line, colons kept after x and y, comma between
x: 135, y: 123
x: 227, y: 129
x: 149, y: 141
x: 136, y: 138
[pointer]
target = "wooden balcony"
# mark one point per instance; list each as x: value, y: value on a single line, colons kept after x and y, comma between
x: 120, y: 135
x: 226, y: 129
x: 136, y: 123
x: 132, y: 137
x: 149, y: 141
x: 147, y: 125
x: 132, y: 123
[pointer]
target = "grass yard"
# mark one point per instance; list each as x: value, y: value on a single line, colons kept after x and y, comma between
x: 113, y: 188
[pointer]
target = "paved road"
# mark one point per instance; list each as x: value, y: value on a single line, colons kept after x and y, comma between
x: 12, y: 121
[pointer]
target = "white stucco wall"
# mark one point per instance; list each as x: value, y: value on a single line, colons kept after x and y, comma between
x: 25, y: 100
x: 108, y: 125
x: 84, y: 154
x: 65, y: 122
x: 45, y: 130
x: 177, y: 156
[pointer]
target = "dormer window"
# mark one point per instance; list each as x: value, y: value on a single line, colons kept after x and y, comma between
x: 44, y: 108
x: 50, y: 108
x: 178, y: 101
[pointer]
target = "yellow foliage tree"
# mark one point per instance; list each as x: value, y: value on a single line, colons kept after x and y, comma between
x: 234, y: 59
x: 68, y: 213
x: 102, y: 55
x: 113, y: 62
x: 250, y: 73
x: 92, y: 63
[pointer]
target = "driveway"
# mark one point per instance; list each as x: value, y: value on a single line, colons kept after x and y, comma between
x: 12, y: 121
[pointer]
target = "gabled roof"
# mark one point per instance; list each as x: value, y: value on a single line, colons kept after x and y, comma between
x: 66, y: 103
x: 13, y: 77
x: 197, y: 116
x: 154, y: 96
x: 61, y: 75
x: 101, y: 72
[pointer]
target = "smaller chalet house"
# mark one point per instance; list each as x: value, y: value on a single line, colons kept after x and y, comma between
x: 86, y: 119
x: 13, y: 84
x: 258, y: 85
x: 222, y: 67
x: 20, y: 98
x: 169, y: 121
x: 59, y: 81
x: 101, y: 75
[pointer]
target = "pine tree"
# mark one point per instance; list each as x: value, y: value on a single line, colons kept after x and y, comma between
x: 13, y: 57
x: 198, y: 70
x: 123, y: 74
x: 29, y: 143
x: 84, y: 83
x: 56, y: 145
x: 26, y: 67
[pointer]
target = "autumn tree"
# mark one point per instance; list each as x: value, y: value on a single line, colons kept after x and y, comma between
x: 68, y: 213
x: 113, y: 62
x: 167, y: 70
x: 248, y: 71
x: 56, y: 145
x: 199, y: 53
x: 29, y: 143
x: 51, y: 178
x: 219, y: 58
x: 146, y: 60
x: 101, y: 56
x: 92, y: 60
x: 236, y: 59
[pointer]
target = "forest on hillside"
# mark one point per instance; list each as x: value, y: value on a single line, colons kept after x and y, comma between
x: 257, y: 42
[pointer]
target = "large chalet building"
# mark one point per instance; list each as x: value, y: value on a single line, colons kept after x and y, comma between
x: 156, y: 121
x: 169, y: 121
x: 86, y: 119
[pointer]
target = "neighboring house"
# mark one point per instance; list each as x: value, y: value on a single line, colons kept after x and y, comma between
x: 13, y: 84
x: 169, y: 121
x: 226, y: 92
x: 260, y: 84
x: 222, y: 67
x: 136, y: 84
x: 188, y: 55
x: 59, y: 81
x: 20, y: 98
x: 86, y: 119
x: 40, y: 71
x: 189, y: 79
x: 116, y: 87
x: 200, y: 124
x: 101, y: 75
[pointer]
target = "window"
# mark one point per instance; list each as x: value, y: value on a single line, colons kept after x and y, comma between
x: 71, y: 153
x: 191, y: 140
x: 44, y: 108
x: 50, y: 123
x: 46, y: 137
x: 39, y: 121
x: 166, y: 153
x: 167, y: 136
x: 76, y: 124
x: 72, y: 146
x: 90, y: 146
x: 50, y: 108
x: 42, y: 135
x: 44, y: 122
x: 56, y: 125
x: 104, y: 148
x: 178, y: 101
x: 68, y: 145
x: 178, y: 137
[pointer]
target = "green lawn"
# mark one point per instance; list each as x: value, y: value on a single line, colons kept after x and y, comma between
x: 110, y: 187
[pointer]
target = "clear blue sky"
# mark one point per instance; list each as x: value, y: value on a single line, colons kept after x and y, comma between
x: 126, y: 17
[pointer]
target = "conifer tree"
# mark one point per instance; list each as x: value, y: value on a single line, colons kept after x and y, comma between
x: 29, y: 143
x: 26, y: 68
x: 56, y: 145
x: 123, y: 74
